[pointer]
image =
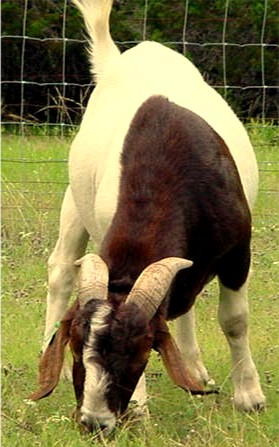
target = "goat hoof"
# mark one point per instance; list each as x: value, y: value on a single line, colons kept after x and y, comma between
x: 199, y: 372
x: 76, y: 415
x: 249, y: 402
x: 137, y: 410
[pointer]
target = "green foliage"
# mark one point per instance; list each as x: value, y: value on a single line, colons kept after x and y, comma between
x: 43, y: 62
x: 244, y: 29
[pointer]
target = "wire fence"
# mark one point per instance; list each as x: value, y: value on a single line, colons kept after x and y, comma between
x: 67, y: 94
x: 46, y: 87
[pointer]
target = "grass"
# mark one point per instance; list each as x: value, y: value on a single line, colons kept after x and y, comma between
x: 31, y: 196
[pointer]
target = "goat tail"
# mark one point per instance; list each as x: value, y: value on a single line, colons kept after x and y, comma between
x: 102, y: 49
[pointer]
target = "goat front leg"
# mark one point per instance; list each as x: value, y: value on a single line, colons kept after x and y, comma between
x: 185, y: 335
x: 233, y: 318
x: 70, y: 246
x: 139, y: 398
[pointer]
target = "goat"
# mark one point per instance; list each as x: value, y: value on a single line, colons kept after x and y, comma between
x: 163, y: 177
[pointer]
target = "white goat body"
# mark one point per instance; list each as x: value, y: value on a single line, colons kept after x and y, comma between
x: 124, y: 82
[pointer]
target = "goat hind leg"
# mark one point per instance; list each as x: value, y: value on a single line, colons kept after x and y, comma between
x: 233, y: 318
x: 70, y: 245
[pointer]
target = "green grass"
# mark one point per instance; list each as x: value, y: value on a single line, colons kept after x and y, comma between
x: 31, y: 197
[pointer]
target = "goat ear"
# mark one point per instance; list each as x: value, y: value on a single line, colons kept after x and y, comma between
x: 51, y: 362
x: 174, y: 362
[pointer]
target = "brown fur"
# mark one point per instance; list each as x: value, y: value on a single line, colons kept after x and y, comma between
x: 180, y: 195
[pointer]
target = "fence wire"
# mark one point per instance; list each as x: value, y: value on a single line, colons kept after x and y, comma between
x: 23, y: 191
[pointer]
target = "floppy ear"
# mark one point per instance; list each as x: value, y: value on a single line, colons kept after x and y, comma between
x: 174, y: 362
x: 51, y: 362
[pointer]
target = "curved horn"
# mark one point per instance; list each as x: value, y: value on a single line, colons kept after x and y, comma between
x: 152, y: 285
x: 93, y: 278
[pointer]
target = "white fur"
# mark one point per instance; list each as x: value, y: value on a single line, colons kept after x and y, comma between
x: 124, y: 82
x: 145, y: 70
x: 233, y: 314
x: 139, y: 396
x: 94, y: 406
x: 96, y: 15
x: 70, y: 246
x: 188, y: 345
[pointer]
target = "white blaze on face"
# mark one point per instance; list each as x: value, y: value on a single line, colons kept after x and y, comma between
x: 95, y: 408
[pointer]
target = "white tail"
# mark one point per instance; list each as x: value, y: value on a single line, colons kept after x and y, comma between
x: 102, y: 49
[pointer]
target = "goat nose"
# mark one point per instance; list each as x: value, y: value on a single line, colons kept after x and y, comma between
x: 91, y: 424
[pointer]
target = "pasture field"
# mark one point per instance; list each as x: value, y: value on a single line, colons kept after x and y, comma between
x: 32, y: 193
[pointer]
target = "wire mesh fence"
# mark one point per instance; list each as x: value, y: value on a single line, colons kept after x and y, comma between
x: 45, y: 73
x: 46, y: 84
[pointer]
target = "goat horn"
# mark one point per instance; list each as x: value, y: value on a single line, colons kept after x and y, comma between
x: 152, y: 285
x: 93, y: 278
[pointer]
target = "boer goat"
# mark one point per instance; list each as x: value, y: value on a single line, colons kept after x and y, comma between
x: 163, y: 178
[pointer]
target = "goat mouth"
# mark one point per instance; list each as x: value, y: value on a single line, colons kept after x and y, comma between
x: 90, y: 423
